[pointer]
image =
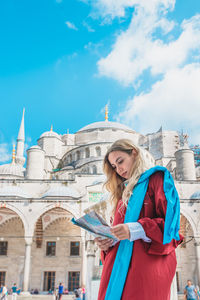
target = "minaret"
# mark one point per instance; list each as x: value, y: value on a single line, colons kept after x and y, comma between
x: 106, y: 113
x: 20, y: 159
x: 185, y: 165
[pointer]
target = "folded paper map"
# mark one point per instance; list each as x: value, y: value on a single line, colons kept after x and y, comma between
x: 95, y: 224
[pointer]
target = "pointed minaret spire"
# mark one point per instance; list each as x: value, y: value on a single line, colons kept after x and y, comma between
x: 20, y: 143
x: 21, y: 129
x: 51, y: 128
x: 106, y: 113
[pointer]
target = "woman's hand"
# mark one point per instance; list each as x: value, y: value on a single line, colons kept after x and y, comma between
x: 104, y: 244
x: 121, y: 231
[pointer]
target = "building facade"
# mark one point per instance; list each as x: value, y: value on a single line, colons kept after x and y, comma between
x: 63, y: 178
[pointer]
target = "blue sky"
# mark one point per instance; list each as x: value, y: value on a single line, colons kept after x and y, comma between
x: 65, y: 60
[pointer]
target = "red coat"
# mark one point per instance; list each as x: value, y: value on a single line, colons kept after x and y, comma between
x: 152, y: 265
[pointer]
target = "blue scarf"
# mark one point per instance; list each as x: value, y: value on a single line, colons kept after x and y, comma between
x: 135, y: 203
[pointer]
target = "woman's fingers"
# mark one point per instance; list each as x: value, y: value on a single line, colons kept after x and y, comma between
x: 103, y: 244
x: 121, y: 231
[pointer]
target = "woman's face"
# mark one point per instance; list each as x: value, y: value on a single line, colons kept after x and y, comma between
x: 122, y: 162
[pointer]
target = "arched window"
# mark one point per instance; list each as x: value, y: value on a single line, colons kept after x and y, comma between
x: 70, y: 176
x: 70, y: 158
x: 78, y: 155
x: 85, y: 170
x: 87, y: 152
x: 94, y: 169
x: 98, y: 151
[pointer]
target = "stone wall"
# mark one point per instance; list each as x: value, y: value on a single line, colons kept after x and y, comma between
x: 62, y: 232
x: 12, y: 231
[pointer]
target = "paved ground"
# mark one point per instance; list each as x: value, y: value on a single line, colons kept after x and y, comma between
x: 50, y: 297
x: 41, y: 297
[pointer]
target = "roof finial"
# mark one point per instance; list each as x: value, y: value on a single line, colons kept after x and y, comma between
x: 13, y: 154
x: 51, y: 128
x: 106, y: 113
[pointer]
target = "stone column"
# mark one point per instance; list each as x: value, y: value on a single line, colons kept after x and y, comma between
x: 197, y: 245
x: 174, y: 293
x: 92, y: 152
x: 82, y: 153
x: 27, y: 263
x: 90, y: 246
x: 83, y: 263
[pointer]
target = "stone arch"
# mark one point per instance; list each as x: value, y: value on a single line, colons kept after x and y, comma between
x: 21, y: 215
x: 57, y: 204
x: 39, y: 221
x: 54, y: 243
x: 12, y: 237
x: 186, y: 268
x: 190, y: 219
x: 198, y: 227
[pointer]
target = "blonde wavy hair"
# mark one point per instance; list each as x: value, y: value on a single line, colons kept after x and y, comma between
x: 115, y: 183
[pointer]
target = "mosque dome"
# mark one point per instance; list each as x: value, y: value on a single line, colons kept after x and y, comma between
x: 50, y: 133
x: 105, y: 125
x: 13, y: 191
x: 61, y: 192
x: 12, y: 169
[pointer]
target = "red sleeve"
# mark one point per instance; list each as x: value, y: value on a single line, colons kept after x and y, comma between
x: 154, y: 226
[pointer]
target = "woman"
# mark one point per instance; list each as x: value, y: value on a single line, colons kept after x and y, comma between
x: 142, y: 264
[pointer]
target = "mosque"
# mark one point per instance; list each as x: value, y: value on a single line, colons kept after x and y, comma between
x: 63, y: 178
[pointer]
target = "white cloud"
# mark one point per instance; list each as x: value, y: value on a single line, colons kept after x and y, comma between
x: 173, y: 102
x: 94, y: 48
x: 137, y: 50
x: 71, y: 25
x: 166, y: 50
x: 89, y: 28
x: 117, y: 8
x: 4, y: 153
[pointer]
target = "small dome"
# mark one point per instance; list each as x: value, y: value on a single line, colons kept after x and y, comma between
x: 13, y: 191
x: 61, y: 191
x: 105, y: 125
x: 50, y: 134
x: 196, y: 195
x: 35, y: 147
x: 12, y: 169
